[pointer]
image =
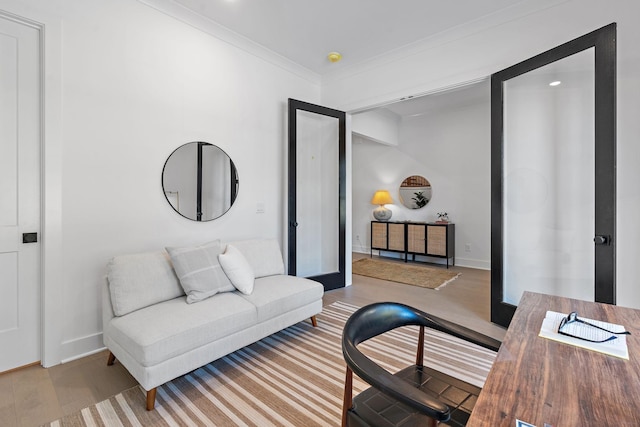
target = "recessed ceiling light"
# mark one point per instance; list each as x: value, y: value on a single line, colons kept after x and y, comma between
x: 556, y: 83
x: 334, y: 56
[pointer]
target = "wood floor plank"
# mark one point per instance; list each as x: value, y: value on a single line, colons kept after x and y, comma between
x: 7, y: 401
x: 86, y: 381
x: 35, y: 397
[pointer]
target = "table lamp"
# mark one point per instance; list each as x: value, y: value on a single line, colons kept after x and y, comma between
x: 381, y: 197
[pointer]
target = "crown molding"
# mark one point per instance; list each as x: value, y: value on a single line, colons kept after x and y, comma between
x: 503, y: 16
x: 202, y: 23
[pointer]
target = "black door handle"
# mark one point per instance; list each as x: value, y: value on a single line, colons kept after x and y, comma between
x: 293, y: 224
x: 29, y: 237
x: 601, y: 240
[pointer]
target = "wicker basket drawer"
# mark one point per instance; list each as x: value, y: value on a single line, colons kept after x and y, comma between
x: 378, y: 235
x: 436, y: 240
x: 396, y: 237
x: 416, y: 238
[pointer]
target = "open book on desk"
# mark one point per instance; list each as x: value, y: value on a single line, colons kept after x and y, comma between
x: 616, y: 347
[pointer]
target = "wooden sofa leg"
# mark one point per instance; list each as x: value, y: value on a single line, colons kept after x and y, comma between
x: 111, y: 360
x: 151, y: 399
x: 314, y: 322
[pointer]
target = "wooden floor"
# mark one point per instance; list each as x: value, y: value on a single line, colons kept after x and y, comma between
x: 34, y: 395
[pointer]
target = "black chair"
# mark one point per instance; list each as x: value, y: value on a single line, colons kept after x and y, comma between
x: 414, y: 396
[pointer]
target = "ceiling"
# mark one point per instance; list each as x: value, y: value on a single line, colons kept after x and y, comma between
x: 305, y: 31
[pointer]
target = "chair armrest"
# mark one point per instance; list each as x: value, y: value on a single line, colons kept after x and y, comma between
x: 378, y: 318
x: 461, y: 332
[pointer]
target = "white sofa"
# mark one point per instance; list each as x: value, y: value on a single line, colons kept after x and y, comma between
x: 160, y: 333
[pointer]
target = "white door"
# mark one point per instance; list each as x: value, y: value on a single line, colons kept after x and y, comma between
x: 19, y: 194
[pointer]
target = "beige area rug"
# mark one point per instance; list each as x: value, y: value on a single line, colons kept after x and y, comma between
x: 416, y: 275
x: 292, y: 378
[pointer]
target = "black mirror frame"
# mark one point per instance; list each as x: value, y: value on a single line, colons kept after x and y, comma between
x: 233, y: 179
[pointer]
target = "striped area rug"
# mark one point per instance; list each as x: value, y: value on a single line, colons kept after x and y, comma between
x: 292, y: 378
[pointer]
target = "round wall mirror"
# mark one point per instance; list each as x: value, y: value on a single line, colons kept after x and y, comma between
x: 415, y: 192
x: 200, y: 181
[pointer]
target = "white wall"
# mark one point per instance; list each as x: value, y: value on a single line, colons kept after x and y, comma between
x: 377, y: 125
x: 451, y: 148
x: 476, y: 51
x: 133, y: 85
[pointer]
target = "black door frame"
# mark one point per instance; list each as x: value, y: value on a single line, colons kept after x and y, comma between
x: 330, y: 280
x: 604, y: 42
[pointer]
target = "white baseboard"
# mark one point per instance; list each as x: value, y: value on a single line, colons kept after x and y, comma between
x: 473, y: 263
x: 360, y: 250
x: 460, y: 262
x: 81, y: 347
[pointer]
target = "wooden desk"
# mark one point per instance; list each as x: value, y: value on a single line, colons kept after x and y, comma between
x: 542, y: 381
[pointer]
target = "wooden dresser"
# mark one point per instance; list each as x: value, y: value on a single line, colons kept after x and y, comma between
x: 414, y: 238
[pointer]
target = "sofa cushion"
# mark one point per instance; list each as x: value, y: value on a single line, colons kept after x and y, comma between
x: 263, y: 255
x: 237, y: 269
x: 275, y: 295
x: 140, y: 280
x: 199, y: 271
x: 171, y: 328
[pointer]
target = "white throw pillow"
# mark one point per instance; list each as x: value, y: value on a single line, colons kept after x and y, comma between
x: 199, y: 271
x: 237, y: 269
